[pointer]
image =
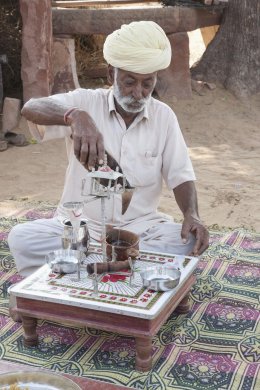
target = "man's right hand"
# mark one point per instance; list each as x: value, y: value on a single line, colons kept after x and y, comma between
x: 88, y: 141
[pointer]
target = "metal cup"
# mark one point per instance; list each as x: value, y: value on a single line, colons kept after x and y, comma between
x: 83, y: 240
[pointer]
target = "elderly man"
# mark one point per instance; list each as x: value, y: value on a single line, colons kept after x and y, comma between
x: 141, y: 133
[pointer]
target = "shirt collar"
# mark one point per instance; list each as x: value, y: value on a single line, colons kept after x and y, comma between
x: 112, y: 107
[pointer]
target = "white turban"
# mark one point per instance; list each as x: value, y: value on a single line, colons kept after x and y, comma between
x: 139, y: 47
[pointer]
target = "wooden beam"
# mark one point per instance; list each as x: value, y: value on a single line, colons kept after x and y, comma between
x: 105, y: 21
x: 92, y: 3
x: 213, y: 2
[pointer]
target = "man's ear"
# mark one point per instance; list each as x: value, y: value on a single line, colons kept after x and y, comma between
x: 110, y: 74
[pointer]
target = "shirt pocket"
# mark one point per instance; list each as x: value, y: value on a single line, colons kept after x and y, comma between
x: 147, y: 169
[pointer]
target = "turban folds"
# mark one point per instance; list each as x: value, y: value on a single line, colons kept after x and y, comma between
x: 139, y: 47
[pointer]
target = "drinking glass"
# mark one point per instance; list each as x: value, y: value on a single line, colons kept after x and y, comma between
x: 74, y: 212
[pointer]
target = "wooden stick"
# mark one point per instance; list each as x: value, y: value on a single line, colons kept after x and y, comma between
x: 107, y: 267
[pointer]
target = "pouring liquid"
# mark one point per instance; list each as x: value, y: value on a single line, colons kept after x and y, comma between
x: 117, y: 242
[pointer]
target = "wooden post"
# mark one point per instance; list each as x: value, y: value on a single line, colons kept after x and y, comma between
x: 36, y: 47
x: 175, y: 81
x: 65, y: 76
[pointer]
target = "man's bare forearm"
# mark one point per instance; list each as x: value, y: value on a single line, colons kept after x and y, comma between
x: 44, y: 111
x: 186, y: 198
x: 88, y: 141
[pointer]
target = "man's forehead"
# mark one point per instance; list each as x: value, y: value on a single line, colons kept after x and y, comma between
x: 138, y: 76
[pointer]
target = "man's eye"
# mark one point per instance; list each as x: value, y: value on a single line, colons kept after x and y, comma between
x: 129, y: 83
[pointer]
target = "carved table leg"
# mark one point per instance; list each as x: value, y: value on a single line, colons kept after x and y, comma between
x: 30, y: 337
x: 143, y: 361
x: 184, y: 306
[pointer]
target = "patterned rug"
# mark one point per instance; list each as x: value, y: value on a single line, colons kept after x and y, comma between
x: 215, y: 346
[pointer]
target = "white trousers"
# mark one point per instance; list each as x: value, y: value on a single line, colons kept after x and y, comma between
x: 30, y: 242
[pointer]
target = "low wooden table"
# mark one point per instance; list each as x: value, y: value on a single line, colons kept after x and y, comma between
x: 118, y: 307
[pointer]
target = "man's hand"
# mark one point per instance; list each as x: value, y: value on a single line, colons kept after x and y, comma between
x: 186, y: 197
x: 195, y: 226
x: 88, y: 141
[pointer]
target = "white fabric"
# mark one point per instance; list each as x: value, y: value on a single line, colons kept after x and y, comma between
x: 150, y: 150
x: 31, y: 241
x: 139, y: 47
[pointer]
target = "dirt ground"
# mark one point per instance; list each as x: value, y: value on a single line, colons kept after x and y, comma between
x: 221, y: 132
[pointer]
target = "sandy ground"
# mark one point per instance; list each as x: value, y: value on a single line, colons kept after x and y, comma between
x: 222, y: 136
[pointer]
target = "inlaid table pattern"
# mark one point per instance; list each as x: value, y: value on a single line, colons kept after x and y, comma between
x: 121, y: 304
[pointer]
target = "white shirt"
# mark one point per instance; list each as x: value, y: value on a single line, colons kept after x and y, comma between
x: 150, y: 150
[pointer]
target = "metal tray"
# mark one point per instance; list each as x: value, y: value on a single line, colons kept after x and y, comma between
x: 35, y: 380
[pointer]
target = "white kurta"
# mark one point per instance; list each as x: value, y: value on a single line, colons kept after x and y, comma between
x: 150, y: 150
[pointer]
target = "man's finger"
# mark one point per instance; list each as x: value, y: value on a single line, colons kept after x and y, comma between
x: 203, y: 247
x: 185, y: 232
x: 201, y: 244
x: 100, y: 150
x: 197, y: 245
x: 77, y: 146
x: 84, y: 154
x: 92, y: 156
x: 204, y: 243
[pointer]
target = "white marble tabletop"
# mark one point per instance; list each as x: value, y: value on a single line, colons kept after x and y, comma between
x: 115, y: 292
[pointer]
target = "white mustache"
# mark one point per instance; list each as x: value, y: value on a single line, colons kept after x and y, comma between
x: 131, y: 100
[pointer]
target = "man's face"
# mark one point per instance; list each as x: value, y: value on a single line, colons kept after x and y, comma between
x: 132, y: 91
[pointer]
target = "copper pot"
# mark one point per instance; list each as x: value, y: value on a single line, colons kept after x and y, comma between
x: 121, y: 244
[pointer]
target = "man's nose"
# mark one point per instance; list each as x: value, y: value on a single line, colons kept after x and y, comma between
x: 137, y: 92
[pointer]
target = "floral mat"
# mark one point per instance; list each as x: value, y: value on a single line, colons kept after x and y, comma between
x: 215, y: 346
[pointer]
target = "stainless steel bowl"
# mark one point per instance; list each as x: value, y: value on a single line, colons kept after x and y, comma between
x: 64, y: 261
x: 160, y: 278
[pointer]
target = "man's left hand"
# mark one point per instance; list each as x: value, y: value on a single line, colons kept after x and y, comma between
x: 201, y: 234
